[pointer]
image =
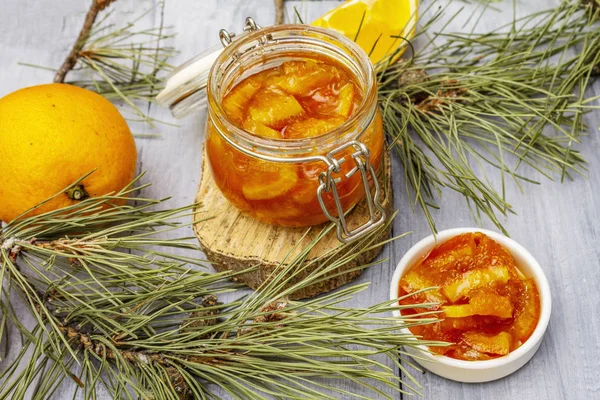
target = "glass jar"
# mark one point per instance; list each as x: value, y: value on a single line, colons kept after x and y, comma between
x: 295, y: 182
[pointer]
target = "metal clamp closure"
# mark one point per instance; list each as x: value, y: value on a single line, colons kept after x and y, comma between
x: 328, y: 184
x: 226, y: 37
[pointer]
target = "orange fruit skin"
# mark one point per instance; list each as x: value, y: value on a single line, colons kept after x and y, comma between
x: 381, y: 20
x: 50, y: 136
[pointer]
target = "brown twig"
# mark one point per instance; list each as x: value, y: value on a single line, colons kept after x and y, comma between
x: 278, y: 12
x: 84, y: 341
x: 451, y: 91
x: 71, y: 246
x: 593, y: 4
x: 90, y: 18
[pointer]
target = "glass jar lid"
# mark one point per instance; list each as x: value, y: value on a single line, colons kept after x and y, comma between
x: 185, y: 89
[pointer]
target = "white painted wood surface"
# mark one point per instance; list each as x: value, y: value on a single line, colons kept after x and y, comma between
x: 558, y: 223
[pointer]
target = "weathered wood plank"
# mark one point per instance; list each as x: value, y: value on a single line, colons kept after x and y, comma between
x: 557, y: 222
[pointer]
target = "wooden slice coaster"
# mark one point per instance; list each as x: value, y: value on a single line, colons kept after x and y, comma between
x: 234, y: 241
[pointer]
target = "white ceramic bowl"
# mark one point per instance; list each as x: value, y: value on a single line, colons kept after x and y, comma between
x: 487, y: 370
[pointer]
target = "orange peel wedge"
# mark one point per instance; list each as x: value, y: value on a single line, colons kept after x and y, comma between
x: 380, y: 27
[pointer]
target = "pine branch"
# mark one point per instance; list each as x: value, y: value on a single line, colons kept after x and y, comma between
x: 121, y: 64
x: 90, y: 18
x: 109, y: 295
x: 278, y: 12
x: 465, y: 100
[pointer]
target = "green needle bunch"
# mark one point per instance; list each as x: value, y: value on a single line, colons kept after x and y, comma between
x: 125, y: 64
x: 511, y: 97
x: 114, y: 306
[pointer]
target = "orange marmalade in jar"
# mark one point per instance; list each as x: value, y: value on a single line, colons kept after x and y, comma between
x: 294, y: 136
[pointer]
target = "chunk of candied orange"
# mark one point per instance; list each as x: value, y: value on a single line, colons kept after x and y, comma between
x: 527, y: 317
x: 475, y: 279
x: 311, y: 127
x: 466, y: 352
x: 413, y: 282
x: 491, y: 344
x: 461, y: 324
x: 482, y: 302
x: 305, y: 193
x: 261, y: 129
x: 346, y: 99
x: 278, y: 214
x: 459, y: 248
x: 269, y: 181
x: 302, y: 77
x: 274, y: 108
x: 237, y: 100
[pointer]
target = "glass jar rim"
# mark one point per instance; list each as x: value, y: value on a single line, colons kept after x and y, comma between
x: 348, y: 51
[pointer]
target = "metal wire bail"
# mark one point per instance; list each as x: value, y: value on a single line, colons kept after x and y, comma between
x: 251, y: 25
x: 329, y: 184
x: 226, y: 37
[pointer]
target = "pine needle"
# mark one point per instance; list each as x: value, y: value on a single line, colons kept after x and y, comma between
x: 122, y: 63
x: 111, y: 299
x: 465, y: 100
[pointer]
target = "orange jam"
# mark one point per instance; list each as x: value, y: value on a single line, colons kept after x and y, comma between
x: 488, y: 308
x: 299, y: 99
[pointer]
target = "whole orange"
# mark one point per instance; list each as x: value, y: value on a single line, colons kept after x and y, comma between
x: 52, y: 135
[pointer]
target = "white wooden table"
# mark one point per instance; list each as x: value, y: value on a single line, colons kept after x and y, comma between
x: 558, y: 223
